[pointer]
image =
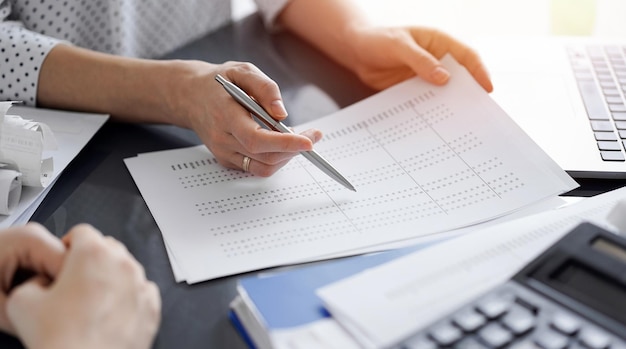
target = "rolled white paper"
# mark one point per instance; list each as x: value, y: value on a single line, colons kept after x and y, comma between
x: 10, y: 190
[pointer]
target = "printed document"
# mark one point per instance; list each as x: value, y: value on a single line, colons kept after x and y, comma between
x: 424, y: 159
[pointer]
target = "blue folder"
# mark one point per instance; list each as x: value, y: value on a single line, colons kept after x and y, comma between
x: 288, y: 299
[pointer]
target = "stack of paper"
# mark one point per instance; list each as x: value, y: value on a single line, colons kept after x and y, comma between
x: 424, y: 160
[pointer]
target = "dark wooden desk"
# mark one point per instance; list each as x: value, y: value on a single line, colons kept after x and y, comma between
x: 98, y: 189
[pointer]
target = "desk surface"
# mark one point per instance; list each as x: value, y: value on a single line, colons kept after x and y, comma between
x: 98, y: 189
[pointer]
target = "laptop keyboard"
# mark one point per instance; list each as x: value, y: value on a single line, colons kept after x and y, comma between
x: 601, y: 75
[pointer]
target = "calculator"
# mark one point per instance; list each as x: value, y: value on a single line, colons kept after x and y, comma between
x: 571, y: 296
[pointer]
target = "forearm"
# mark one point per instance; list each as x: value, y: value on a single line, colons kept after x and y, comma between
x: 129, y: 89
x: 326, y: 24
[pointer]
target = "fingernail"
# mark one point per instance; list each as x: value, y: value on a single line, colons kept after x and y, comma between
x: 317, y: 136
x: 439, y: 75
x: 278, y: 108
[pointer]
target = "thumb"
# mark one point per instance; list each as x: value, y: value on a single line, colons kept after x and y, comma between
x: 24, y: 301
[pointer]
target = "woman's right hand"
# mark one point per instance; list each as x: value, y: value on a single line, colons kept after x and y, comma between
x: 226, y: 127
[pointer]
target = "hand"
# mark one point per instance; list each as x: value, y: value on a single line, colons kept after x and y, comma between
x: 225, y: 127
x: 100, y: 299
x: 31, y: 248
x: 386, y: 56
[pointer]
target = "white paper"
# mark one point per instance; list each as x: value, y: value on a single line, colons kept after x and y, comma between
x: 424, y: 159
x: 23, y: 144
x: 71, y: 130
x: 10, y: 190
x: 387, y: 303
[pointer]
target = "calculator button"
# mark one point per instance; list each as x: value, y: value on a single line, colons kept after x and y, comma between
x: 469, y: 320
x: 565, y: 323
x: 526, y: 344
x: 470, y: 343
x: 519, y: 321
x: 445, y: 334
x: 419, y: 343
x: 495, y: 335
x: 494, y: 307
x: 618, y: 346
x: 594, y: 339
x: 549, y: 339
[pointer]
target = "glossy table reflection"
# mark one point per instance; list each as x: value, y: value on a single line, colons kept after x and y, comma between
x: 98, y: 189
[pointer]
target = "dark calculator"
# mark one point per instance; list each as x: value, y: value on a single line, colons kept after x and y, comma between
x: 571, y: 296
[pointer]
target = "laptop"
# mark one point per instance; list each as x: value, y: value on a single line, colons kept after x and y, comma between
x: 568, y: 94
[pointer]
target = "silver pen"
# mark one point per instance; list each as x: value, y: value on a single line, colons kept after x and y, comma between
x: 264, y: 117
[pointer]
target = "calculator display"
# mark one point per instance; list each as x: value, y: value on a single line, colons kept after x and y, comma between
x: 592, y: 288
x: 610, y: 248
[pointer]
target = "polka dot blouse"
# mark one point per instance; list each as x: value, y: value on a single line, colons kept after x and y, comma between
x: 137, y: 28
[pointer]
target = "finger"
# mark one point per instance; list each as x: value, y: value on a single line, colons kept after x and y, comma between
x: 440, y: 43
x: 81, y: 234
x: 23, y: 302
x: 257, y: 140
x: 260, y: 87
x: 474, y: 65
x: 264, y: 170
x: 33, y: 249
x: 422, y: 62
x: 5, y: 324
x: 271, y: 159
x: 152, y: 308
x: 85, y: 239
x: 86, y: 247
x: 266, y: 164
x: 154, y: 297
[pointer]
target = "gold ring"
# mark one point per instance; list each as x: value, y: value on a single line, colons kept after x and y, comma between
x: 246, y: 163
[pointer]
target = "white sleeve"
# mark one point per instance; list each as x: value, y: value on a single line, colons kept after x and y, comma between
x: 270, y: 9
x: 22, y: 53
